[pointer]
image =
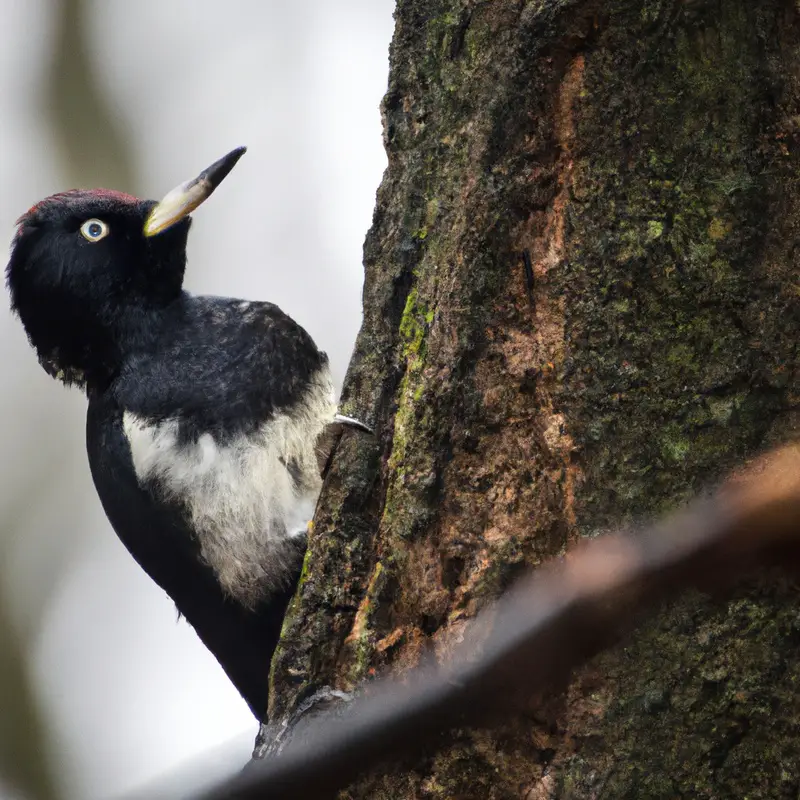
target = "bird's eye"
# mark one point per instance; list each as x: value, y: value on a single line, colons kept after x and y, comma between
x: 93, y: 230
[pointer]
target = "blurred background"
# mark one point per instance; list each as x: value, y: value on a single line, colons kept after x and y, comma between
x: 102, y: 690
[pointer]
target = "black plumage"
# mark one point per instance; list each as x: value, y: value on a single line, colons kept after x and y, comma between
x: 204, y: 412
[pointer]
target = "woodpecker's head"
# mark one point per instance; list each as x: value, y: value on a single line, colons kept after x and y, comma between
x: 85, y: 265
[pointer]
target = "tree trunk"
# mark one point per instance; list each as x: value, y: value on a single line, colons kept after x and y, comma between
x: 580, y: 309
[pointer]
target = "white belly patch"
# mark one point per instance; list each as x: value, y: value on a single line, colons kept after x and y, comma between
x: 241, y: 498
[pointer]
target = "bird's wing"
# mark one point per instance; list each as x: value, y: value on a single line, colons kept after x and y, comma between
x: 223, y: 366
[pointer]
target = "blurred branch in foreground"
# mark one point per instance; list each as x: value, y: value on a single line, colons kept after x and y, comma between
x: 547, y: 626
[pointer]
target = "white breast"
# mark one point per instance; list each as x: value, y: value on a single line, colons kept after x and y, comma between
x: 240, y: 497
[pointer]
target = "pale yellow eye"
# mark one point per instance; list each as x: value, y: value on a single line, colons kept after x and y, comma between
x: 93, y: 230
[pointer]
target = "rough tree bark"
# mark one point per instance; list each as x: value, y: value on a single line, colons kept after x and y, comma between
x: 580, y: 308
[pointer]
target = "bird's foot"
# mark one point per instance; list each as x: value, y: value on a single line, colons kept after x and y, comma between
x: 273, y: 736
x: 328, y: 440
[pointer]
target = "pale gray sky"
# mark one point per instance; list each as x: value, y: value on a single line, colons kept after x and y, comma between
x: 130, y: 692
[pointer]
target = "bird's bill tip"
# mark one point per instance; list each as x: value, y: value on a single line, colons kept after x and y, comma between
x: 183, y: 199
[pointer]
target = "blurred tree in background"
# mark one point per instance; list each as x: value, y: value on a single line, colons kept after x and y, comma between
x: 87, y: 130
x: 23, y: 736
x: 95, y: 154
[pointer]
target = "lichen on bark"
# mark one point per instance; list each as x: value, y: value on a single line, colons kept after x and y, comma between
x: 580, y: 308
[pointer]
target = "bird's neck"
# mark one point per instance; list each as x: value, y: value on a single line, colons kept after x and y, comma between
x: 93, y: 351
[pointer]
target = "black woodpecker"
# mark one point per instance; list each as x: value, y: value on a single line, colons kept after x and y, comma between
x: 205, y: 414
